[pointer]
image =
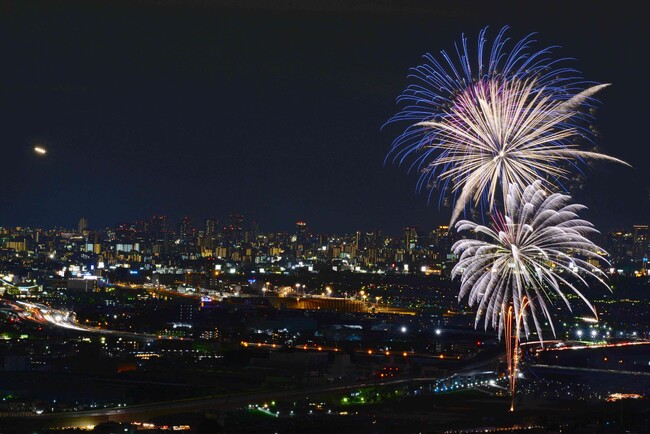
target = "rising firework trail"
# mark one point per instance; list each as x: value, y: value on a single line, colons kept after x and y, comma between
x: 512, y: 117
x: 513, y: 354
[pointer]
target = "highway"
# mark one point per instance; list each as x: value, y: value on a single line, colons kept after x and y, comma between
x: 41, y: 314
x: 602, y: 371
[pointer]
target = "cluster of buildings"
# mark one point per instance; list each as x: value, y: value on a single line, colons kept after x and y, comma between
x: 156, y: 245
x: 246, y: 308
x: 628, y: 249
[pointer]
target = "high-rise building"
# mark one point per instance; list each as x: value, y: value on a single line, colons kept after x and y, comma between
x: 83, y: 225
x: 211, y: 234
x: 156, y: 226
x: 371, y: 239
x: 410, y: 238
x: 639, y: 242
x: 301, y: 231
x: 158, y: 233
x: 442, y: 238
x: 211, y: 226
x: 619, y: 245
x: 255, y: 229
x: 236, y: 228
x: 185, y: 229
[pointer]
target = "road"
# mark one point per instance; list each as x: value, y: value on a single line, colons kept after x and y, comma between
x: 601, y: 371
x: 41, y: 314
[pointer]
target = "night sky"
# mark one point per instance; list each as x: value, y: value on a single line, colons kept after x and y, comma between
x: 205, y: 109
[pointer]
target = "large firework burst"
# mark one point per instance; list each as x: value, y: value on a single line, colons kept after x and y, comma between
x: 534, y: 251
x: 513, y: 117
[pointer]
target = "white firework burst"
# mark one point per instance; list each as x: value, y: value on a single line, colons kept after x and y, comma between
x: 510, y: 117
x: 536, y: 250
x: 504, y: 132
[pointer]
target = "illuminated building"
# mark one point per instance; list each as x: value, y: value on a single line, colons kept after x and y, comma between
x: 211, y: 227
x: 619, y: 245
x: 410, y: 238
x: 19, y: 245
x: 82, y: 226
x: 639, y: 242
x: 301, y: 231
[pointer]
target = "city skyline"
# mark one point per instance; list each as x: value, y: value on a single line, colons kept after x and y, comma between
x: 222, y: 221
x: 280, y: 122
x: 246, y: 247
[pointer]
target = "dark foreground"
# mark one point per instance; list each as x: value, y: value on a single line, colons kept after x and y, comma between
x: 394, y: 412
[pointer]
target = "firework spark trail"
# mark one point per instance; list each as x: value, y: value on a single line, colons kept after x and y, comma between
x: 516, y: 120
x: 513, y: 355
x: 535, y: 249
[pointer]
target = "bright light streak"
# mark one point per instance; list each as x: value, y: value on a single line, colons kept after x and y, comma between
x: 583, y: 347
x: 618, y: 396
x: 40, y: 150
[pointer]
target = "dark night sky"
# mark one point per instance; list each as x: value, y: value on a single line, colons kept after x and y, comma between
x: 203, y: 109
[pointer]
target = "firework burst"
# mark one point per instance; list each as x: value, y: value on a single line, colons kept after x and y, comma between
x: 512, y: 118
x: 534, y: 251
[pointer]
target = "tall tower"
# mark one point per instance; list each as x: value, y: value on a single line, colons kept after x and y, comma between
x: 301, y: 231
x: 410, y: 238
x: 185, y: 228
x: 236, y: 228
x: 211, y: 226
x: 83, y: 225
x: 639, y: 242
